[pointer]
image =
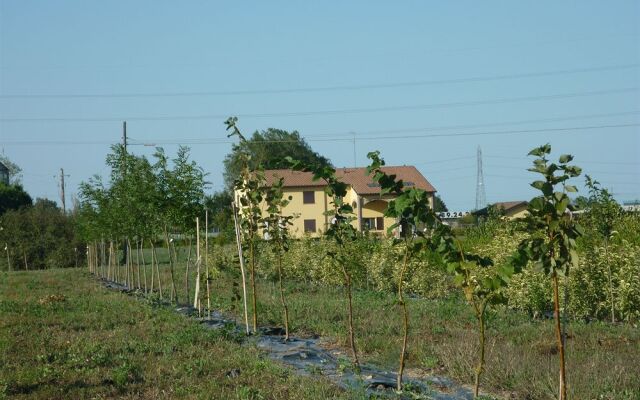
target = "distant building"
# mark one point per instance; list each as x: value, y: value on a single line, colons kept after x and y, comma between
x: 310, y: 203
x: 509, y: 209
x: 4, y: 173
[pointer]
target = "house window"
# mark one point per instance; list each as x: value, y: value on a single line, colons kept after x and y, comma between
x: 308, y: 197
x: 310, y: 225
x: 373, y: 224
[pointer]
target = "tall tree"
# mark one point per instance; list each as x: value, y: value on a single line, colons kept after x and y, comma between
x: 269, y: 149
x: 15, y: 171
x: 13, y: 197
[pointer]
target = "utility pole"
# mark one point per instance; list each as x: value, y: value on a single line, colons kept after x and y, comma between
x: 355, y: 164
x: 62, y: 195
x: 124, y: 135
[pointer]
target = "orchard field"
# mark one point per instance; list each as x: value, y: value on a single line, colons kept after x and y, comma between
x: 540, y: 308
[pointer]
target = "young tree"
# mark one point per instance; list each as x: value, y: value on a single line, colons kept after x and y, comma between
x: 249, y: 186
x: 552, y: 245
x: 601, y: 215
x: 481, y: 282
x: 415, y: 219
x: 277, y: 227
x: 341, y: 231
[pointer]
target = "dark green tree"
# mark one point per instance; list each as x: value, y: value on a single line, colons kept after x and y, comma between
x: 438, y: 204
x: 13, y: 197
x: 269, y: 149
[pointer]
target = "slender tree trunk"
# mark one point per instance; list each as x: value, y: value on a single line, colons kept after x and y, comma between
x: 153, y: 271
x: 405, y: 319
x: 155, y: 255
x: 610, y: 278
x: 242, y: 271
x: 254, y: 295
x: 556, y: 304
x: 186, y: 273
x: 26, y: 264
x: 140, y: 247
x: 109, y: 274
x: 6, y: 247
x: 174, y: 292
x: 480, y: 367
x: 206, y: 260
x: 282, y: 300
x: 196, y: 296
x: 352, y: 339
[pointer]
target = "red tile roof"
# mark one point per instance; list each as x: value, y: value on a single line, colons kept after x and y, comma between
x: 356, y: 177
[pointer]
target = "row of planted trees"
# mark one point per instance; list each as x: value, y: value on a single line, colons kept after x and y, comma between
x: 549, y: 247
x: 141, y: 207
x: 144, y: 201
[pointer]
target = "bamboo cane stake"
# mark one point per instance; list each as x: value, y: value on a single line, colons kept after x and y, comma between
x: 240, y: 256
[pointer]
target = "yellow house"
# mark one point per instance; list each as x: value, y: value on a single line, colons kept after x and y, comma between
x: 309, y: 203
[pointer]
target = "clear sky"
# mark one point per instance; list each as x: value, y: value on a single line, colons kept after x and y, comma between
x: 425, y: 83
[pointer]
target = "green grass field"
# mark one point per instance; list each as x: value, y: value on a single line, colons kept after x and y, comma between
x: 63, y: 336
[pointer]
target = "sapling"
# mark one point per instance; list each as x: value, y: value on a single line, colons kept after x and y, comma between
x: 415, y: 218
x: 341, y: 231
x: 277, y: 226
x: 552, y: 245
x: 242, y: 269
x: 481, y: 282
x: 602, y: 214
x: 249, y: 186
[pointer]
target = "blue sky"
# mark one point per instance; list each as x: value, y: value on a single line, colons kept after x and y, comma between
x: 425, y: 83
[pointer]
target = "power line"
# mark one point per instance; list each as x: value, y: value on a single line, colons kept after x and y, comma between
x: 586, y: 161
x: 449, y: 135
x: 332, y: 112
x: 324, y: 88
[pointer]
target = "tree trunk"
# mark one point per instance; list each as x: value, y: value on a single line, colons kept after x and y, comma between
x: 155, y: 255
x: 26, y: 264
x: 186, y: 274
x: 405, y: 320
x: 610, y: 278
x: 174, y: 292
x: 140, y: 247
x: 206, y: 260
x: 242, y: 271
x: 6, y: 246
x: 254, y: 295
x: 481, y: 342
x: 153, y: 272
x: 352, y: 339
x: 196, y: 296
x: 282, y: 300
x: 556, y: 305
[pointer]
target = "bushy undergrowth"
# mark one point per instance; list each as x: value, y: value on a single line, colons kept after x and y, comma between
x: 529, y: 292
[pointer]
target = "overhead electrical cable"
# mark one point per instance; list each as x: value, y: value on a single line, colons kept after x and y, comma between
x: 329, y: 112
x: 572, y: 129
x: 321, y: 88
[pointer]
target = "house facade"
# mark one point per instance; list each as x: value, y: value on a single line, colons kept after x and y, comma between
x: 310, y: 204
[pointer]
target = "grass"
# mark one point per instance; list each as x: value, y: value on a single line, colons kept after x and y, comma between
x: 521, y: 360
x: 521, y: 353
x: 64, y: 336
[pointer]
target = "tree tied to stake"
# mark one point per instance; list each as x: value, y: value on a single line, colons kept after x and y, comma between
x: 276, y: 225
x: 552, y: 245
x: 340, y: 230
x: 249, y: 185
x: 415, y: 218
